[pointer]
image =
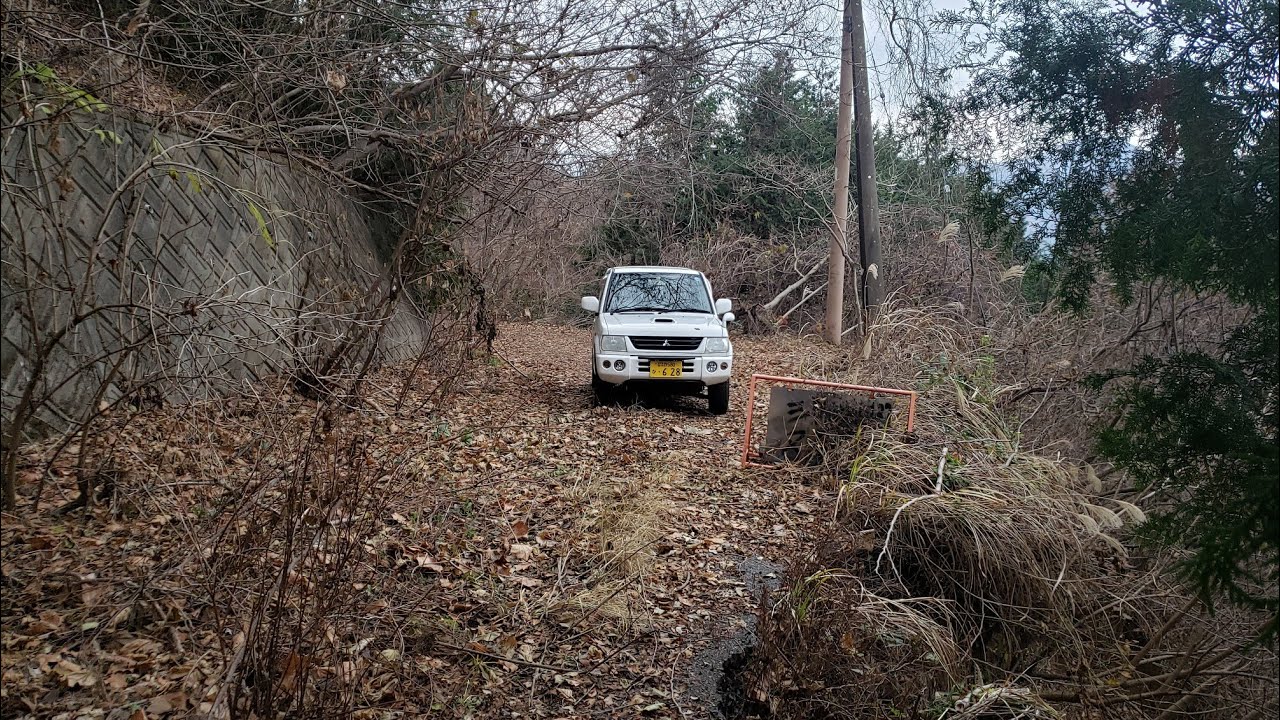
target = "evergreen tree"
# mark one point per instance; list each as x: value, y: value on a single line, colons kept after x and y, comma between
x: 1148, y: 149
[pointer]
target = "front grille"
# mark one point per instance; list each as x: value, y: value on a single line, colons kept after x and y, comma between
x: 686, y: 364
x: 658, y: 342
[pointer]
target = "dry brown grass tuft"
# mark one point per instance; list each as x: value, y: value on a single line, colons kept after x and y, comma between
x: 833, y: 648
x: 1004, y: 583
x: 630, y: 524
x: 626, y: 521
x: 960, y: 513
x: 605, y: 602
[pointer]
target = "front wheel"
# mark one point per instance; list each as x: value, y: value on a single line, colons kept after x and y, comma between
x: 601, y: 391
x: 718, y: 398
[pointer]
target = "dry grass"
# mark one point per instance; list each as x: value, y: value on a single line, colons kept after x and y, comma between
x: 993, y: 521
x: 961, y: 513
x: 995, y: 701
x: 833, y: 648
x: 630, y: 524
x: 624, y: 521
x: 989, y: 562
x: 605, y: 601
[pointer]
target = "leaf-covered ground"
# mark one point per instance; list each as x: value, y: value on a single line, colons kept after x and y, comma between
x: 547, y: 558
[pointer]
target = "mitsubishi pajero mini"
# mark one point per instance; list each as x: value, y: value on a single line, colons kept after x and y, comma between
x: 658, y: 330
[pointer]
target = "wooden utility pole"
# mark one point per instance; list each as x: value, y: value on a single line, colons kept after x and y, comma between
x: 840, y: 223
x: 868, y: 198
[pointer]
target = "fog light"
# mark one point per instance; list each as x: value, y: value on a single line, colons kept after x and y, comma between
x: 606, y: 364
x: 620, y: 365
x: 711, y: 366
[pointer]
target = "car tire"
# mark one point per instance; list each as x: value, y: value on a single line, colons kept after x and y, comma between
x: 718, y: 398
x: 601, y: 391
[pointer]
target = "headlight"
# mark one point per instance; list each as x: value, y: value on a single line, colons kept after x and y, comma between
x: 717, y: 345
x: 613, y: 343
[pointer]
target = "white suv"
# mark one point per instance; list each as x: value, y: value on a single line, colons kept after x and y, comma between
x: 658, y: 329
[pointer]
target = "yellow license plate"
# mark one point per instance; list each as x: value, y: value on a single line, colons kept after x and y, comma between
x: 665, y: 368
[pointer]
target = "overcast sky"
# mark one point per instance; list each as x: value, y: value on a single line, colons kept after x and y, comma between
x: 887, y: 77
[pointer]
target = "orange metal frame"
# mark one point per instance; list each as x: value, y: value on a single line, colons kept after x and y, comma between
x: 751, y: 403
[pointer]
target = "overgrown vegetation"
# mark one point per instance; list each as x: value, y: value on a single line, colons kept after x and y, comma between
x: 1010, y: 571
x: 1080, y: 227
x: 1146, y: 150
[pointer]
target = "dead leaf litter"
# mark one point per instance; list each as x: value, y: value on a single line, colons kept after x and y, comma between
x: 548, y: 558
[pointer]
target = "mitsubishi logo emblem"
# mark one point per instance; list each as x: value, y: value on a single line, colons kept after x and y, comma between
x: 666, y: 343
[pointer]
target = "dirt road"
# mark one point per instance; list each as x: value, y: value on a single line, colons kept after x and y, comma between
x: 538, y: 557
x: 627, y: 544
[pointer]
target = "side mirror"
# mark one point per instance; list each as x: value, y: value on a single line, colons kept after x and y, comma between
x: 723, y: 305
x: 728, y: 317
x: 591, y: 303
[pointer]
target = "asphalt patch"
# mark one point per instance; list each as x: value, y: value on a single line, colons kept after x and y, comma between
x: 715, y: 679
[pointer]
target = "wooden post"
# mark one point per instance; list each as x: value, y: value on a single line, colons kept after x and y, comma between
x: 868, y: 198
x: 840, y: 221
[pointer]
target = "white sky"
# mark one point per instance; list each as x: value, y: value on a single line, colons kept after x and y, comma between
x: 887, y: 81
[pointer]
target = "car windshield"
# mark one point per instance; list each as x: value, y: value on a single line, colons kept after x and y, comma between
x: 657, y: 292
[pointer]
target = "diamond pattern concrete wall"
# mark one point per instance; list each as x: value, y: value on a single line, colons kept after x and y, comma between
x: 154, y: 257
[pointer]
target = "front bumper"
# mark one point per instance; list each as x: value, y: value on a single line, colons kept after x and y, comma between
x: 635, y: 369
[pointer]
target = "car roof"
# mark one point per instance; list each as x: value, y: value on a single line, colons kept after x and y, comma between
x: 653, y: 268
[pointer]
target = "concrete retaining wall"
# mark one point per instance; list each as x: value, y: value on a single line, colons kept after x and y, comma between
x: 164, y: 257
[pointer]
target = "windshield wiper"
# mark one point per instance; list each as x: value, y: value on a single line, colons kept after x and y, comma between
x: 692, y: 310
x: 640, y: 309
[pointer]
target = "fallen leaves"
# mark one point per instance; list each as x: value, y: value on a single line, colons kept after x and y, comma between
x: 577, y: 556
x: 73, y: 675
x: 424, y: 561
x: 163, y: 704
x: 48, y: 621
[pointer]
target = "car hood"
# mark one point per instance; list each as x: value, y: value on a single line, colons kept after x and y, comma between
x: 668, y: 324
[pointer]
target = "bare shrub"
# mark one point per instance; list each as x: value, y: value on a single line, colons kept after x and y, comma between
x: 286, y: 570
